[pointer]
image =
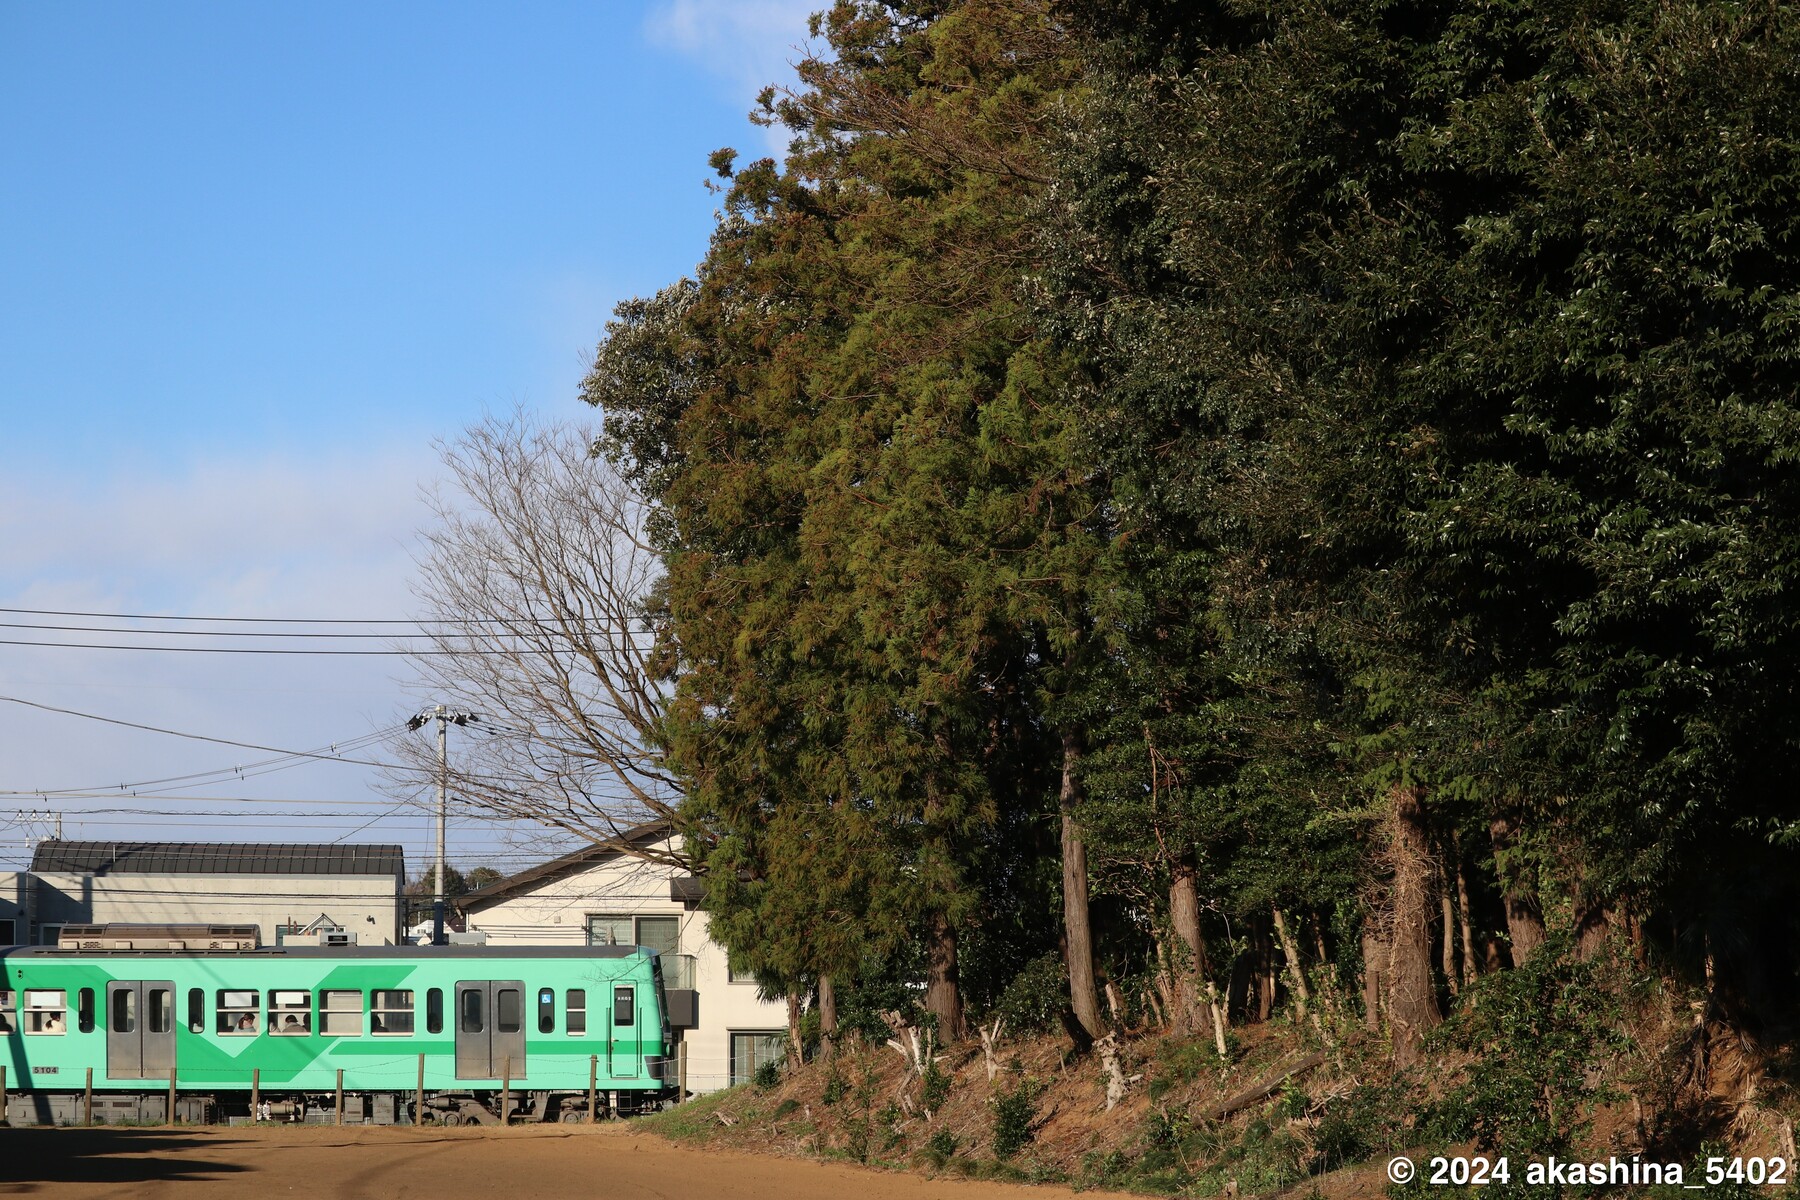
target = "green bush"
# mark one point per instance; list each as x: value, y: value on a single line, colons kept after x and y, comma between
x: 934, y: 1087
x: 942, y: 1146
x: 1033, y: 1002
x: 768, y: 1075
x: 1015, y: 1115
x: 1535, y: 1033
x: 836, y: 1086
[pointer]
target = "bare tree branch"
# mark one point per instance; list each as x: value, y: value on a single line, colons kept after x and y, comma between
x: 535, y: 579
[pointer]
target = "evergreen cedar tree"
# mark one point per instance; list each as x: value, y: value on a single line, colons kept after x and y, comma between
x: 1320, y: 477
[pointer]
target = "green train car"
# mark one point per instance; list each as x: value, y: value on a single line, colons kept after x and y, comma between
x: 539, y: 1028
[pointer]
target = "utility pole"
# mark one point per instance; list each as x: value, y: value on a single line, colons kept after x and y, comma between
x: 444, y: 717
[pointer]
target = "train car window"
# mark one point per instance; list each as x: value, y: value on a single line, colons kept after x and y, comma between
x: 9, y: 1017
x: 391, y: 1013
x: 622, y: 1007
x: 290, y: 1014
x: 340, y: 1013
x: 237, y: 1013
x: 434, y: 1010
x: 509, y: 1010
x: 547, y: 1010
x: 196, y: 1010
x: 46, y: 1010
x: 575, y: 1016
x: 474, y: 1019
x: 159, y: 1010
x: 84, y: 1010
x: 124, y: 1012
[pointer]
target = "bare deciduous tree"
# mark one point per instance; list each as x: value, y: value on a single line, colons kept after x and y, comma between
x: 534, y: 581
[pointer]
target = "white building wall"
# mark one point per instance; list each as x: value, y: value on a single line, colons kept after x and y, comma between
x: 368, y: 906
x: 557, y: 910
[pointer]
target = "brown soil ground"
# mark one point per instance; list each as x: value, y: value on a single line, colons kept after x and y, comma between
x: 538, y: 1163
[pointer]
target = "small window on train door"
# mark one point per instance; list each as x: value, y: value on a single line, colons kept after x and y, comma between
x: 84, y: 1010
x: 575, y: 1016
x: 546, y: 1010
x: 196, y: 1010
x: 159, y: 1010
x: 124, y: 1011
x: 622, y: 1007
x: 471, y: 1016
x: 509, y: 1010
x: 434, y: 1010
x: 235, y: 1013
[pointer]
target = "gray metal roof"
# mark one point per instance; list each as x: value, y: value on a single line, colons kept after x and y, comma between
x: 218, y: 858
x: 637, y: 837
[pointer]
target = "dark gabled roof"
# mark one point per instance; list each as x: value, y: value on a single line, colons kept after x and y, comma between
x: 588, y: 856
x: 218, y: 858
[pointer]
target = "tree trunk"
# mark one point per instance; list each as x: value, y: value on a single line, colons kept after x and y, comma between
x: 1078, y: 938
x: 943, y: 995
x: 1412, y: 993
x: 1448, y: 920
x: 1374, y: 955
x: 828, y: 1021
x: 1265, y: 974
x: 1468, y: 935
x: 1295, y: 972
x: 1524, y: 921
x: 1190, y: 951
x: 794, y: 1055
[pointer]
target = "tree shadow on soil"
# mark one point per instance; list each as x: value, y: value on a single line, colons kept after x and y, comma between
x: 33, y: 1157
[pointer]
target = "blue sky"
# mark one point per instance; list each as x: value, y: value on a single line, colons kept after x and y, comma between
x: 253, y: 260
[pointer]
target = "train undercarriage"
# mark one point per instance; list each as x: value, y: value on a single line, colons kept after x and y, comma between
x: 475, y: 1107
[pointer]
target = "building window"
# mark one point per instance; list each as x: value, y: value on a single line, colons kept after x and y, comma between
x: 46, y: 1010
x: 751, y: 1049
x: 546, y: 1010
x: 661, y: 934
x: 340, y: 1013
x: 391, y: 1012
x: 290, y: 1013
x: 237, y: 1013
x: 733, y: 975
x: 575, y: 1017
x: 9, y: 931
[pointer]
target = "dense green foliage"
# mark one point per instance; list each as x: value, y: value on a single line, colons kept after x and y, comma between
x: 1354, y: 442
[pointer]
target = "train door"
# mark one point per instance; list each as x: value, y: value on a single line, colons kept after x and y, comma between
x: 490, y: 1028
x: 140, y: 1028
x: 624, y: 1052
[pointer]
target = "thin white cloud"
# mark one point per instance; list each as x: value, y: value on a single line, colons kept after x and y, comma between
x: 749, y: 44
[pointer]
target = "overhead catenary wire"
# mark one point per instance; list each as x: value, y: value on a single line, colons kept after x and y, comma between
x: 331, y: 755
x: 414, y: 621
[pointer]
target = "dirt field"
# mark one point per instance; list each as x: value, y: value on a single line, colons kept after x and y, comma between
x: 538, y: 1163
